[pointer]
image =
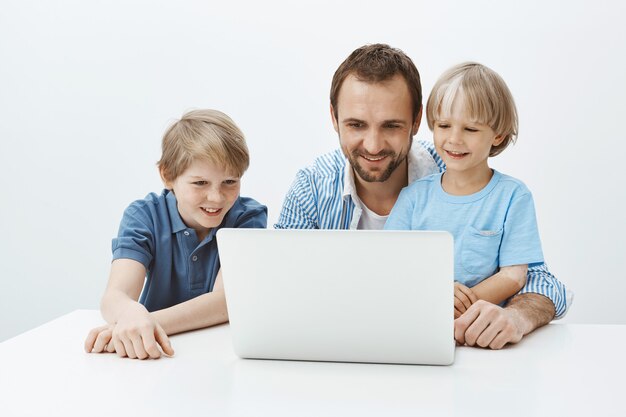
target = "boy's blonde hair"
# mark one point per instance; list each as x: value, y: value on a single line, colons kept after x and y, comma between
x: 208, y: 135
x: 486, y: 97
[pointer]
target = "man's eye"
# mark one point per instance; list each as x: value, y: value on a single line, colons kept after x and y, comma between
x: 355, y: 125
x: 392, y: 126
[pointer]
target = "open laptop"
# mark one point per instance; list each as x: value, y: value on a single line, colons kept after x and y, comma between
x: 335, y: 295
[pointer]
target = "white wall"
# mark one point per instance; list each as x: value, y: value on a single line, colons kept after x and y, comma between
x: 87, y: 89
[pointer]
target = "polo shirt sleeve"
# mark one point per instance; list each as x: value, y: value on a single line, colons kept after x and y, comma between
x: 253, y: 218
x: 135, y: 238
x: 520, y: 240
x: 401, y: 215
x: 299, y: 207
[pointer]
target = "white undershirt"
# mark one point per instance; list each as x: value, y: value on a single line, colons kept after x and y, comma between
x: 370, y: 220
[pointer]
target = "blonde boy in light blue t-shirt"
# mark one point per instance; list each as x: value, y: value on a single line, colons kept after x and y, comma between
x: 491, y: 215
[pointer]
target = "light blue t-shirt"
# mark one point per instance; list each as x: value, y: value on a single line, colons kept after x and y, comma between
x: 492, y: 228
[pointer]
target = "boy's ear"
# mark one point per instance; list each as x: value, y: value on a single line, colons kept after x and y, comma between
x: 166, y: 183
x: 498, y: 140
x: 332, y: 116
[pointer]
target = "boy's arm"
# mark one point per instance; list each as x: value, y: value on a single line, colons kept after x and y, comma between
x: 132, y: 330
x: 502, y: 285
x: 203, y: 311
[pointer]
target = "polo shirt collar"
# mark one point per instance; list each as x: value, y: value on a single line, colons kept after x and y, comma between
x: 172, y: 209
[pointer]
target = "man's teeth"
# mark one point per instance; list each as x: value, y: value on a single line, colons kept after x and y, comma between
x: 374, y: 159
x: 208, y: 210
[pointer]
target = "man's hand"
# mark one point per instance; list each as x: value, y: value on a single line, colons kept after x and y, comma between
x: 463, y: 299
x: 488, y: 325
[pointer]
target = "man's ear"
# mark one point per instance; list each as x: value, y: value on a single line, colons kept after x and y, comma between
x: 334, y: 119
x: 167, y: 184
x: 416, y: 123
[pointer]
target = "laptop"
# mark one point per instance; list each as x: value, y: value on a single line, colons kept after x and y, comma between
x: 343, y: 296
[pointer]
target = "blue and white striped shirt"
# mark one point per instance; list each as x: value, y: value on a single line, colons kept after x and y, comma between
x: 323, y: 196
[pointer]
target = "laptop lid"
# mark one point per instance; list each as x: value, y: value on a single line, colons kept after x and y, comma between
x: 335, y: 295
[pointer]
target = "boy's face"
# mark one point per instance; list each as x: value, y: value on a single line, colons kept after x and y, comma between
x: 463, y: 144
x: 375, y: 125
x: 204, y: 192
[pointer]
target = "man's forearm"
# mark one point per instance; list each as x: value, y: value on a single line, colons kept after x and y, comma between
x: 203, y: 311
x: 532, y: 310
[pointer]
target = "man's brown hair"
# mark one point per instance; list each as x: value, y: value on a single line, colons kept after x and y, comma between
x: 376, y: 63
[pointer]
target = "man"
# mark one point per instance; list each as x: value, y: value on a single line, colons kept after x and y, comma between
x: 376, y: 108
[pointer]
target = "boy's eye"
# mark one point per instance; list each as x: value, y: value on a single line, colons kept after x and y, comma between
x: 471, y: 129
x: 200, y: 183
x: 230, y: 182
x: 443, y: 125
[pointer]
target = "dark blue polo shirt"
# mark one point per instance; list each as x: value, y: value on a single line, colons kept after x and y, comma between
x: 178, y: 267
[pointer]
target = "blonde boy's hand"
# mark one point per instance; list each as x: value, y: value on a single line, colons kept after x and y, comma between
x: 463, y: 299
x: 138, y: 335
x: 99, y: 340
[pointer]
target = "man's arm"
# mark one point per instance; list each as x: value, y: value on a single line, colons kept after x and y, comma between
x: 299, y: 207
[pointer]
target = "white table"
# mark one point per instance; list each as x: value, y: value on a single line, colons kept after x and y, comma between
x: 558, y: 370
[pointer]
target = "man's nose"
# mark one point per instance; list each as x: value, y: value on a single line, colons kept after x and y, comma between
x: 373, y: 143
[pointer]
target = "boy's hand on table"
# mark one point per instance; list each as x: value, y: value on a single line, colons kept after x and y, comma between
x: 463, y: 299
x: 99, y: 340
x: 136, y: 335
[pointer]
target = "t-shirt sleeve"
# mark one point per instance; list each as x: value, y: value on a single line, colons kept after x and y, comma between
x: 520, y: 241
x: 135, y: 238
x: 401, y: 215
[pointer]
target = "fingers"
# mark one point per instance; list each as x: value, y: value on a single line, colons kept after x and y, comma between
x: 91, y: 338
x: 486, y: 325
x: 150, y: 343
x: 462, y: 323
x: 163, y: 340
x: 102, y: 340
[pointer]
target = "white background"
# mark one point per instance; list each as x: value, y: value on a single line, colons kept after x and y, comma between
x: 87, y: 88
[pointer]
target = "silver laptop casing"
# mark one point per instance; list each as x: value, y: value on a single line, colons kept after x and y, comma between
x: 335, y: 295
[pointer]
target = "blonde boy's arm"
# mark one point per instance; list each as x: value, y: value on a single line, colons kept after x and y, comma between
x: 203, y: 311
x: 132, y: 330
x: 501, y: 286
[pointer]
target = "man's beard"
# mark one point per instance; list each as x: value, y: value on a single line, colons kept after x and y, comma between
x: 377, y: 176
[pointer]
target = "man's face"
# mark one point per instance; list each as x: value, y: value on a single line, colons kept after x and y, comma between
x: 375, y: 125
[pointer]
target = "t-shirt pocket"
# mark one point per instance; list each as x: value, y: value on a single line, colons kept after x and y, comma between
x: 479, y: 252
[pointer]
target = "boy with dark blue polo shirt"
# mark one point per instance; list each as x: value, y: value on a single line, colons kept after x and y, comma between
x: 166, y: 243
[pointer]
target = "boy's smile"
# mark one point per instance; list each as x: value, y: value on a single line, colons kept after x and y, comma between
x: 204, y: 194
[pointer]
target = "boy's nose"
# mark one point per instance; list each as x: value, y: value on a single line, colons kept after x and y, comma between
x: 214, y: 196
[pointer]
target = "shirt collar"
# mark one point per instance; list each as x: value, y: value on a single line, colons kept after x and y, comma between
x: 172, y: 209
